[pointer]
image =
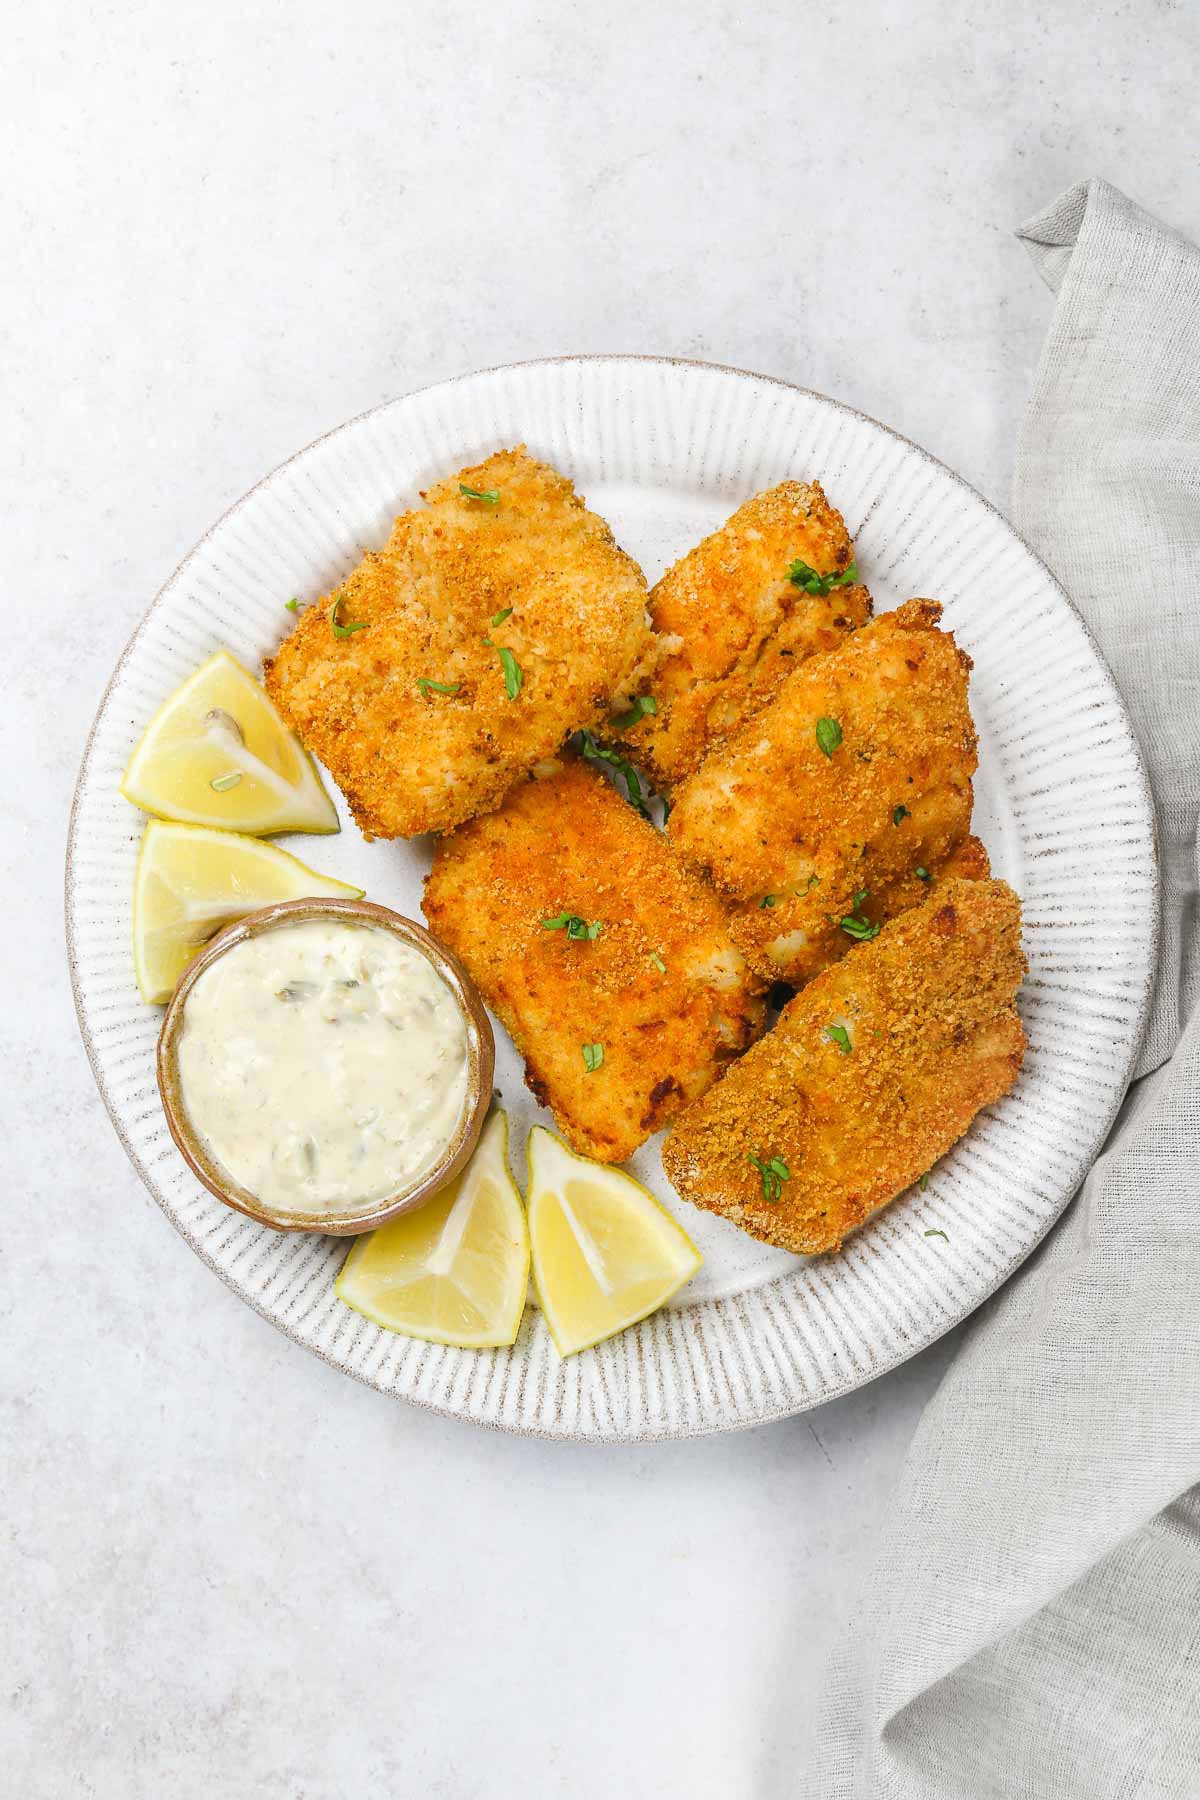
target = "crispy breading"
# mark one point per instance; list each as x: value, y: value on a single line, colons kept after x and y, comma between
x: 968, y: 861
x: 931, y: 1036
x: 660, y: 987
x: 410, y: 758
x: 733, y: 627
x: 801, y: 836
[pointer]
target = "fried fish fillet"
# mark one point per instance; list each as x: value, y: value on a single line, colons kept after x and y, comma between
x: 492, y: 623
x: 871, y: 1074
x: 836, y: 806
x: 610, y: 965
x: 733, y: 627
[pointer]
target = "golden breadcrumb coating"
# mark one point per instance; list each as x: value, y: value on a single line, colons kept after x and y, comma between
x: 801, y: 836
x: 931, y: 1035
x: 968, y: 861
x: 661, y: 987
x: 409, y: 758
x: 733, y: 627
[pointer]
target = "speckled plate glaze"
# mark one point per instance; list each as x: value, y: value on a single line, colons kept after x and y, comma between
x: 665, y: 450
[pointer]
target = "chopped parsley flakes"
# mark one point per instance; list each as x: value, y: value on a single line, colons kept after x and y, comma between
x: 855, y: 926
x: 773, y: 1174
x: 803, y: 576
x: 576, y: 928
x: 634, y: 791
x: 829, y: 735
x: 514, y: 675
x: 342, y: 631
x: 645, y: 703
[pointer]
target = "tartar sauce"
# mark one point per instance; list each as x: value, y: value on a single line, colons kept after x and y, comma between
x: 324, y: 1064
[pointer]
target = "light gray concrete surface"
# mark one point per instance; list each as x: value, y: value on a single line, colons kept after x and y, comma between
x: 226, y: 229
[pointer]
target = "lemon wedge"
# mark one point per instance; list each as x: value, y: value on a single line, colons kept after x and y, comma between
x: 190, y: 881
x: 605, y: 1253
x: 456, y: 1270
x: 217, y: 753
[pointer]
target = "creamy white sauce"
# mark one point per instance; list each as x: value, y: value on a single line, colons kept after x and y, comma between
x: 323, y: 1064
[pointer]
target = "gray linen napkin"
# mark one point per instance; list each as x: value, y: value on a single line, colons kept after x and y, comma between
x: 1032, y: 1623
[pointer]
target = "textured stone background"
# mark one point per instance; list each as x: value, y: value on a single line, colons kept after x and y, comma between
x: 227, y: 228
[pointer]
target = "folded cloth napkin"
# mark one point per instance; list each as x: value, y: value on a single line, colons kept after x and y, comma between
x: 1031, y: 1626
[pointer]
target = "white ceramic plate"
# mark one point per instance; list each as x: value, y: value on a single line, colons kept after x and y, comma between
x: 665, y: 450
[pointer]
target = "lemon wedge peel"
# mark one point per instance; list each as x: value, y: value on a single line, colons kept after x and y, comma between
x: 193, y: 764
x: 584, y: 1293
x: 193, y: 879
x: 424, y: 1277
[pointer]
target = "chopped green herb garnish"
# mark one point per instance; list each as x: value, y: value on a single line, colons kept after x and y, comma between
x: 635, y: 793
x: 923, y: 1183
x: 438, y: 687
x: 221, y: 784
x: 803, y: 576
x: 514, y: 675
x: 593, y: 1056
x: 575, y: 927
x: 342, y: 631
x: 293, y: 605
x: 829, y: 735
x: 936, y: 1233
x: 489, y: 496
x: 854, y: 925
x: 773, y: 1174
x: 767, y: 900
x: 837, y: 1034
x: 922, y: 874
x: 645, y: 703
x: 900, y: 812
x: 504, y: 613
x: 656, y: 962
